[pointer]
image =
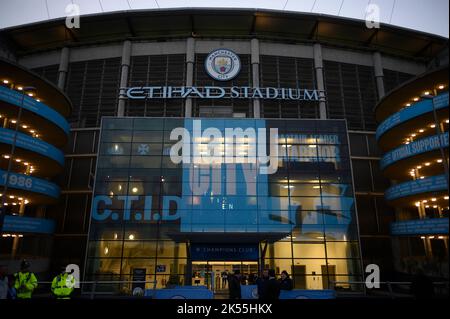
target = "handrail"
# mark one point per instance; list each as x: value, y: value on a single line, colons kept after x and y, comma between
x: 96, y: 282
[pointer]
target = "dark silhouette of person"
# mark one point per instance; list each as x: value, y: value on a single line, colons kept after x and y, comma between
x: 272, y: 291
x: 422, y: 286
x: 285, y: 281
x: 261, y: 283
x: 234, y: 285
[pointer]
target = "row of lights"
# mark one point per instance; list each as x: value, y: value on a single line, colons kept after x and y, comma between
x: 416, y: 99
x: 432, y: 237
x: 24, y: 126
x: 20, y: 199
x: 12, y: 235
x: 412, y: 172
x: 20, y: 88
x: 420, y: 131
x: 433, y: 199
x: 18, y: 160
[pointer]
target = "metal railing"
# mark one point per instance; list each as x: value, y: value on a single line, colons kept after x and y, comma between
x: 403, y: 288
x: 95, y: 283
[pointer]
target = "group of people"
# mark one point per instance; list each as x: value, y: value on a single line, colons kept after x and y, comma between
x: 269, y: 286
x: 23, y: 283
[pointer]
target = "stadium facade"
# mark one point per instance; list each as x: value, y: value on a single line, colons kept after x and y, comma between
x: 220, y: 139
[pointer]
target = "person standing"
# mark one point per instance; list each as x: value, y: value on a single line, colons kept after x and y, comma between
x: 285, y: 281
x: 63, y: 285
x: 261, y: 283
x: 234, y: 285
x: 272, y: 287
x: 25, y: 281
x: 224, y: 279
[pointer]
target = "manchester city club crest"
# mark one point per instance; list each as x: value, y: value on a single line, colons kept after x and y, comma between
x: 222, y: 64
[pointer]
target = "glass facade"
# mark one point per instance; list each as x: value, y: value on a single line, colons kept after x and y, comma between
x: 166, y: 188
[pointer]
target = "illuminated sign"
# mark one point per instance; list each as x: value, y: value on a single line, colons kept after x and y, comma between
x: 216, y: 92
x: 230, y: 176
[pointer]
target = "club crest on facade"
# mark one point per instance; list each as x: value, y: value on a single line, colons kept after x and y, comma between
x: 222, y: 64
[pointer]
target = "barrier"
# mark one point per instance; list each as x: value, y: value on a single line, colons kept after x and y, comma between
x: 181, y: 292
x: 251, y: 292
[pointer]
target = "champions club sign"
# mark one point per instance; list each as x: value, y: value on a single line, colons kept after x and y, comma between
x: 223, y: 65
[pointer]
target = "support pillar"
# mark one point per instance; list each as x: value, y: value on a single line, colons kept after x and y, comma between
x: 63, y: 67
x: 255, y: 75
x: 379, y: 75
x: 318, y: 68
x: 124, y: 69
x: 190, y: 60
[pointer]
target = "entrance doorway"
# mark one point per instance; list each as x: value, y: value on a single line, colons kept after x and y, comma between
x: 213, y: 274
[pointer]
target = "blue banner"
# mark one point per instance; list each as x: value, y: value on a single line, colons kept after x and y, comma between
x: 29, y: 183
x: 423, y: 145
x: 418, y: 186
x: 32, y: 144
x: 432, y: 226
x: 415, y: 110
x: 224, y: 252
x: 39, y: 108
x: 180, y: 293
x: 251, y: 292
x: 22, y: 224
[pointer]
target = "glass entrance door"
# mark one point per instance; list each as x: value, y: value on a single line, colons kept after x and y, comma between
x: 214, y: 274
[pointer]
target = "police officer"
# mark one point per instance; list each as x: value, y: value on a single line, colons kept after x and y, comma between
x: 63, y: 284
x: 24, y: 281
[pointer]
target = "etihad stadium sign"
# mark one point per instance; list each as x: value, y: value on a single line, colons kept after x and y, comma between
x: 222, y: 65
x: 216, y: 92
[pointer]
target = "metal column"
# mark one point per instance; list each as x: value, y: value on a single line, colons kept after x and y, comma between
x: 190, y: 59
x: 125, y: 66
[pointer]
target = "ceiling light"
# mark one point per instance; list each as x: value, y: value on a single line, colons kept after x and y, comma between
x: 13, y: 121
x: 38, y: 100
x: 432, y: 125
x: 426, y: 93
x: 446, y: 121
x: 408, y: 104
x: 419, y: 167
x: 6, y: 156
x: 422, y: 237
x: 445, y: 197
x: 440, y: 237
x: 131, y: 237
x: 30, y: 94
x: 25, y: 126
x: 415, y: 99
x: 134, y: 189
x: 417, y: 204
x: 20, y: 88
x: 312, y: 145
x: 433, y: 199
x: 424, y: 201
x: 421, y: 130
x: 441, y: 86
x: 427, y: 164
x: 431, y: 237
